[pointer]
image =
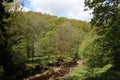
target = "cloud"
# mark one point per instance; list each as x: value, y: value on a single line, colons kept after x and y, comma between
x: 25, y: 9
x: 66, y: 8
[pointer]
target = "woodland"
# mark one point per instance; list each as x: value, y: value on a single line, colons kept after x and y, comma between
x: 36, y: 46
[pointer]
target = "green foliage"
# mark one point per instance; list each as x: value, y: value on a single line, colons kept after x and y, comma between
x: 87, y: 51
x: 53, y: 36
x: 48, y: 32
x: 91, y: 74
x: 86, y: 42
x: 100, y: 49
x: 32, y: 34
x: 106, y: 20
x: 11, y: 59
x: 18, y: 52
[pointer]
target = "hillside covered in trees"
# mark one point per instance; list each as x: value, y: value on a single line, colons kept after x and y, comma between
x: 34, y: 43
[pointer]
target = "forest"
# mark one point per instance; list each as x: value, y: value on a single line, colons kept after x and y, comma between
x: 37, y: 46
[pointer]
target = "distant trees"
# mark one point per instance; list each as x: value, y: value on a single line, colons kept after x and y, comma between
x: 24, y: 35
x: 67, y: 39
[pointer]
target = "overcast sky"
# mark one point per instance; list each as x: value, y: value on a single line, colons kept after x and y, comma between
x: 66, y: 8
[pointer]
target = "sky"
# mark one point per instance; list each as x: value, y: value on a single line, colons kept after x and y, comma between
x: 73, y: 9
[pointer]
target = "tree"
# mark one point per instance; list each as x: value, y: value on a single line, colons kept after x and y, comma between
x: 34, y: 27
x: 106, y: 19
x: 67, y: 39
x: 10, y: 36
x: 3, y: 39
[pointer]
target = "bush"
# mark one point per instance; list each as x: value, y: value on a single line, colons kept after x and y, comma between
x: 92, y: 53
x: 93, y: 74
